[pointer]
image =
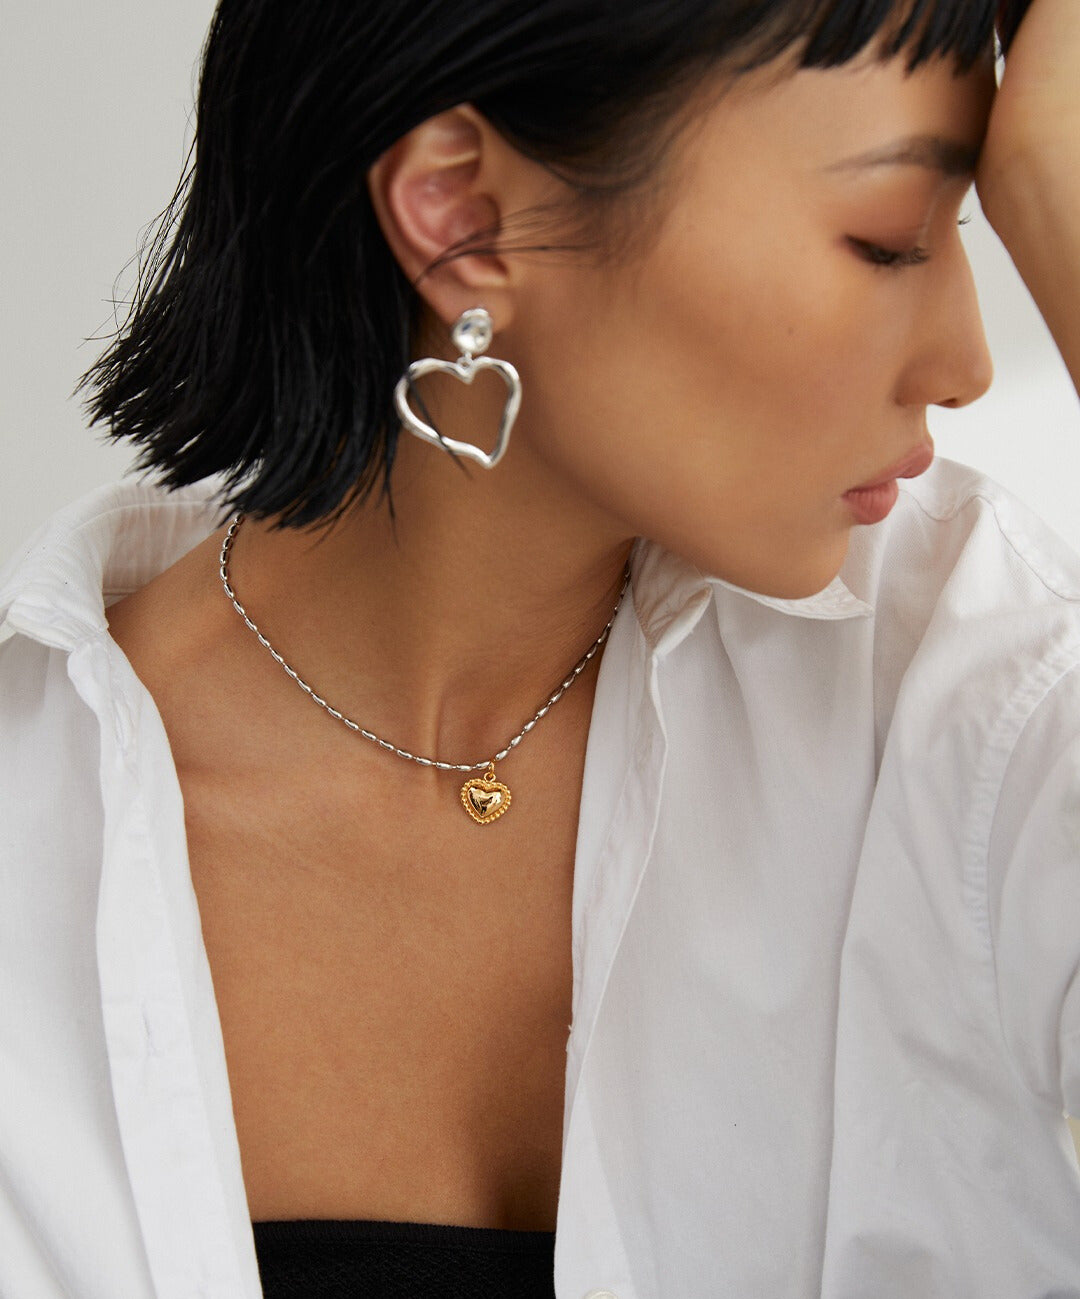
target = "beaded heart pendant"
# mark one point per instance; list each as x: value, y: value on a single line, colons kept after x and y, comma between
x: 485, y: 798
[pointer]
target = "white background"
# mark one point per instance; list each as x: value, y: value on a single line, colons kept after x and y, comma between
x: 97, y: 113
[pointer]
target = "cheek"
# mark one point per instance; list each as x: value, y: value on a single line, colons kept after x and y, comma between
x: 778, y: 348
x: 722, y: 379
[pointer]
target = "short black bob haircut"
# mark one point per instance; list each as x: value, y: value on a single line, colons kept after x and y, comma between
x: 271, y: 321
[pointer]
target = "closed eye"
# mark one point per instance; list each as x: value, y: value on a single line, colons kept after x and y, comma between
x: 892, y: 257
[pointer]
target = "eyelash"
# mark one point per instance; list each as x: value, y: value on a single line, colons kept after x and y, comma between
x: 890, y: 259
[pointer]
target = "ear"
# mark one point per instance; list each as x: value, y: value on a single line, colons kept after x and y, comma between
x: 435, y: 187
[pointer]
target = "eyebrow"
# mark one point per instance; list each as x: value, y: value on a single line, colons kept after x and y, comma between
x: 950, y: 157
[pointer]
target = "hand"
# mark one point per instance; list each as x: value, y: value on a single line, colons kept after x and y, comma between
x: 1033, y: 135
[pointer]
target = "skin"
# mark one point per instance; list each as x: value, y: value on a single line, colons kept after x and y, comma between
x: 1028, y: 178
x: 390, y: 978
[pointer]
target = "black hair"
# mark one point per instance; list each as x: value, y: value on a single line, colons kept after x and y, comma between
x: 271, y: 321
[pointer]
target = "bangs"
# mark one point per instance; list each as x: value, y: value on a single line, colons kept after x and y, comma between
x: 833, y: 32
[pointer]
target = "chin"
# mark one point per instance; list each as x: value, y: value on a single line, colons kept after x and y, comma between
x: 783, y: 579
x: 788, y: 589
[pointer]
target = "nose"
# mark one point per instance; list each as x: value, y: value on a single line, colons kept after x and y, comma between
x: 953, y: 366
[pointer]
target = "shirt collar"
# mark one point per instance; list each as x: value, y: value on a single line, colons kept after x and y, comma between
x: 113, y: 541
x: 107, y: 544
x: 671, y: 594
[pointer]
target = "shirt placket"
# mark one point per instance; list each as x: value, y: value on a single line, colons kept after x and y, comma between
x: 591, y: 1260
x: 187, y: 1211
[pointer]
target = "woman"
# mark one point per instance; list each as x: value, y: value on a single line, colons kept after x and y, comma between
x: 748, y: 965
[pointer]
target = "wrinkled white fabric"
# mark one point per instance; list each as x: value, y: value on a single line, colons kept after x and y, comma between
x: 826, y: 930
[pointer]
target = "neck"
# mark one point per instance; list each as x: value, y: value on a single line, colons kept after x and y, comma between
x: 445, y: 628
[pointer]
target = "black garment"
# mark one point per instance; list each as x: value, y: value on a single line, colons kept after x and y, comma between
x: 316, y: 1259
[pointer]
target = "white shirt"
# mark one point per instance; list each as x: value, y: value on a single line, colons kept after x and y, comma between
x: 826, y: 930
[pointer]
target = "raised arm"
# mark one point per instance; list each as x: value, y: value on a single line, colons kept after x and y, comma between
x: 1028, y: 179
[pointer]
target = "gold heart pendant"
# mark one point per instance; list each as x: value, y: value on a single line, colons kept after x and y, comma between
x: 484, y: 797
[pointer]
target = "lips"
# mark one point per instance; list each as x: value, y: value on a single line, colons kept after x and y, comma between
x: 871, y: 502
x: 913, y: 464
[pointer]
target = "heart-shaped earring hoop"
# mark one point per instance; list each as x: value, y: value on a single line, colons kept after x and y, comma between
x: 472, y: 333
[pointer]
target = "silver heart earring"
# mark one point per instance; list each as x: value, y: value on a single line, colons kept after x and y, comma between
x: 472, y: 333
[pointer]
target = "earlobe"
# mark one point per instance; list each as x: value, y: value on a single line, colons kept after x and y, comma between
x: 429, y: 195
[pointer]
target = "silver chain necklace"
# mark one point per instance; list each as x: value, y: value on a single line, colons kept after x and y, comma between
x: 483, y: 797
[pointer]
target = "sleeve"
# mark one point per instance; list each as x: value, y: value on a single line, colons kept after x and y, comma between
x: 1034, y: 896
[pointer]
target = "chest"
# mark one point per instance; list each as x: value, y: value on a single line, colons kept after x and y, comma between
x: 394, y: 1003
